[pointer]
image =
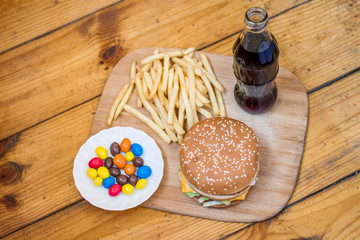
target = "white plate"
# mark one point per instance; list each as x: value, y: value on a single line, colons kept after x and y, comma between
x: 98, y: 196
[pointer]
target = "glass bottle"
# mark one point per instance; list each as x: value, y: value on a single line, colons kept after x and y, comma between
x: 255, y: 64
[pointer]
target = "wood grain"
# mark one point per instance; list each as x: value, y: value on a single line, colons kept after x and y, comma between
x: 70, y: 66
x: 42, y: 160
x: 21, y: 21
x: 315, y: 164
x: 281, y: 132
x: 333, y: 214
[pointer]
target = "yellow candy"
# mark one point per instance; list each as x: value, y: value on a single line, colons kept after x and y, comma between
x: 103, y: 172
x: 128, y: 189
x: 129, y: 156
x: 141, y: 183
x: 92, y: 173
x: 101, y: 152
x: 98, y: 181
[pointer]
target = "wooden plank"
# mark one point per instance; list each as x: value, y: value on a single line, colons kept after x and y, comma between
x: 318, y: 41
x: 332, y: 214
x: 317, y: 170
x: 70, y: 66
x: 21, y: 21
x: 39, y: 168
x: 281, y: 133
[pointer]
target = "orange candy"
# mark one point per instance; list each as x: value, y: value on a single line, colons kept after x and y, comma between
x: 125, y: 145
x: 119, y: 161
x: 129, y: 169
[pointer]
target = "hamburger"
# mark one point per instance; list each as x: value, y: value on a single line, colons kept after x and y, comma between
x: 219, y: 161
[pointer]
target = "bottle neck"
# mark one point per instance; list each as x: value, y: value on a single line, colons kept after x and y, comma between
x: 256, y: 20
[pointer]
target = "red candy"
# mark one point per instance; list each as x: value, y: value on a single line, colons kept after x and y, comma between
x: 114, y: 190
x: 95, y: 163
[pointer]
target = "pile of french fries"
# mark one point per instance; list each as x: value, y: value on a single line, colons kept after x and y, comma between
x: 171, y: 86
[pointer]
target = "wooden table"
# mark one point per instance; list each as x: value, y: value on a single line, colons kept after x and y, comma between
x: 55, y: 58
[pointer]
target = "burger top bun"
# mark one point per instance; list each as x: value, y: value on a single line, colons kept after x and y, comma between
x: 219, y: 157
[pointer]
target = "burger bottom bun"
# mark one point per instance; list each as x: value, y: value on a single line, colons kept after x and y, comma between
x: 220, y: 197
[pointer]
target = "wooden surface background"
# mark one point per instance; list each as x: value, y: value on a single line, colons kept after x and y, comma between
x: 55, y: 57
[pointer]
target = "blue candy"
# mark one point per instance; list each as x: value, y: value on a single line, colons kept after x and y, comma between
x: 108, y: 182
x: 143, y: 172
x: 137, y: 149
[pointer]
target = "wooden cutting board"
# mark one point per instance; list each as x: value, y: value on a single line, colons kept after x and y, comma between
x: 281, y: 133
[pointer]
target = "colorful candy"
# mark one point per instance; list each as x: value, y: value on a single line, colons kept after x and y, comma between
x: 92, y: 173
x: 129, y: 169
x: 128, y: 189
x: 122, y: 179
x: 119, y: 161
x: 125, y: 145
x: 133, y: 179
x: 106, y: 171
x: 101, y: 152
x: 137, y: 149
x: 114, y: 171
x: 97, y: 181
x: 114, y: 148
x: 108, y: 182
x: 103, y: 172
x: 129, y: 156
x: 108, y: 163
x: 138, y: 161
x: 144, y: 172
x: 114, y: 190
x: 95, y: 163
x: 141, y: 184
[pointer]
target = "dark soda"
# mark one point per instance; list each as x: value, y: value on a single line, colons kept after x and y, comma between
x: 255, y: 66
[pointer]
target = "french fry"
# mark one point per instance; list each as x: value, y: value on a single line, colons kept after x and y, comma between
x: 147, y: 79
x: 146, y: 68
x: 179, y: 62
x: 201, y: 97
x: 148, y: 122
x: 165, y: 73
x: 178, y: 128
x: 213, y: 100
x: 200, y: 86
x: 205, y: 112
x: 152, y: 73
x: 212, y: 79
x: 124, y: 101
x: 152, y: 58
x: 146, y: 104
x: 145, y: 87
x: 138, y: 101
x: 192, y: 89
x: 163, y: 115
x: 189, y: 50
x: 188, y: 109
x: 115, y: 104
x: 181, y: 111
x: 170, y: 81
x: 198, y: 103
x: 173, y: 96
x: 175, y: 54
x: 156, y: 81
x: 180, y: 138
x: 221, y: 103
x: 133, y: 70
x: 187, y: 84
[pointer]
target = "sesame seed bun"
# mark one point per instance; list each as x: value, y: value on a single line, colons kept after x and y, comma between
x: 219, y: 158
